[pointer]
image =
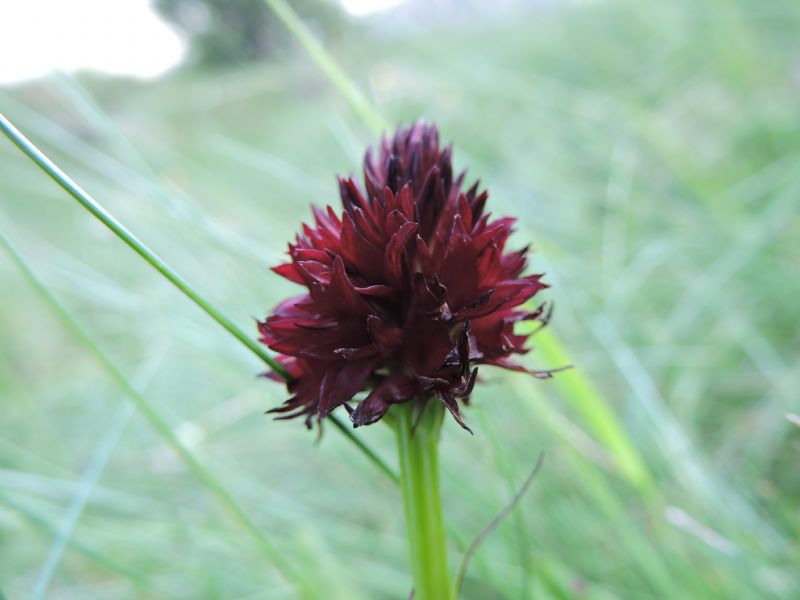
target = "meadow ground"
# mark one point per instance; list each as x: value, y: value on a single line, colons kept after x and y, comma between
x: 651, y: 153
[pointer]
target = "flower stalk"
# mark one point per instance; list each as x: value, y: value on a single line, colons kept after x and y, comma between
x: 418, y: 427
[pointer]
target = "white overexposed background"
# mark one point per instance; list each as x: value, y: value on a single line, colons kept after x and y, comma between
x: 116, y: 37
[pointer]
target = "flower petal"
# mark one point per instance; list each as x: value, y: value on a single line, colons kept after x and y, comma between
x: 394, y: 389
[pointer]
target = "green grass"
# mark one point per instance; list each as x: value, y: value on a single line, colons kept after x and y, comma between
x: 650, y: 152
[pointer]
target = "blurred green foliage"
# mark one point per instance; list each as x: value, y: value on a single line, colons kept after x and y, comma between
x: 650, y: 151
x: 226, y: 32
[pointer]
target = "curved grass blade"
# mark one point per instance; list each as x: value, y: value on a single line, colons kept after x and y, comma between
x: 492, y: 525
x: 94, y: 207
x: 501, y: 460
x: 90, y: 204
x: 161, y: 426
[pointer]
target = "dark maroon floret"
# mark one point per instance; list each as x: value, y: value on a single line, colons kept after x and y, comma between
x: 407, y: 290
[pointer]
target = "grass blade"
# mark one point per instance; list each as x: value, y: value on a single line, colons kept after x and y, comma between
x: 94, y: 207
x: 329, y: 66
x: 90, y: 204
x: 579, y: 391
x: 200, y: 471
x: 92, y: 474
x: 492, y: 525
x: 501, y: 460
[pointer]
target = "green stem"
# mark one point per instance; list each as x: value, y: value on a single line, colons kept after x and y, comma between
x: 418, y: 446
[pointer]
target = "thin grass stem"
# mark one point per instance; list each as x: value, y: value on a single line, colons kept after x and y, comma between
x: 329, y: 66
x: 492, y: 525
x: 201, y: 472
x: 94, y: 207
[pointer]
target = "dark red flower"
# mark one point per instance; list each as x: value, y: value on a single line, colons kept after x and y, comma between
x: 407, y: 290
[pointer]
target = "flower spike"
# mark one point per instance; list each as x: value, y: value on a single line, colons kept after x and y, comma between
x: 408, y: 289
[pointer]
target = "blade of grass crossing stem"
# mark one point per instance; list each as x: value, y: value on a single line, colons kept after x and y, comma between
x: 290, y: 19
x: 95, y: 115
x: 154, y: 418
x: 573, y: 385
x: 90, y: 204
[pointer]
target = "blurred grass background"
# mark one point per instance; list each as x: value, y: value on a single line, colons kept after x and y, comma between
x: 651, y: 153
